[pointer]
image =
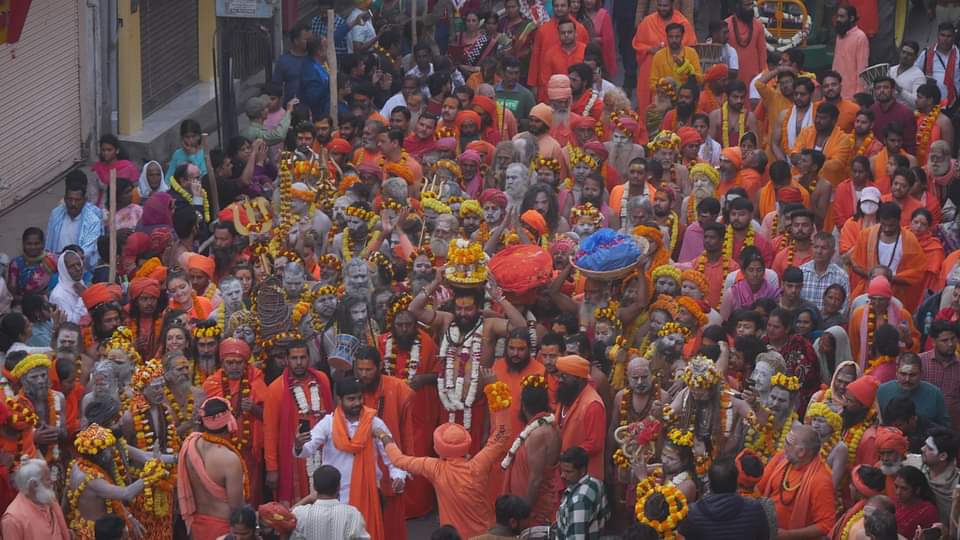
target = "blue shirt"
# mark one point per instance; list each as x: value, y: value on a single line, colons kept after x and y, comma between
x: 179, y: 156
x: 927, y: 398
x: 315, y: 88
x: 287, y: 72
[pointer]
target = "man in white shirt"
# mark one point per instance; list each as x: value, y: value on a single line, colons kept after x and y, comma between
x: 362, y: 34
x: 942, y: 62
x: 908, y: 76
x: 710, y: 149
x: 343, y: 437
x: 719, y: 35
x: 322, y: 515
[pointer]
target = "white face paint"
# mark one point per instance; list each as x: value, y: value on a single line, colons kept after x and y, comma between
x: 515, y: 182
x: 325, y: 305
x: 620, y: 138
x: 492, y: 214
x: 358, y: 278
x: 666, y: 285
x: 584, y: 228
x: 232, y: 293
x: 293, y: 278
x: 356, y: 225
x: 822, y: 427
x: 761, y: 375
x: 358, y: 313
x: 245, y: 333
x: 702, y: 187
x: 604, y: 333
x: 687, y: 288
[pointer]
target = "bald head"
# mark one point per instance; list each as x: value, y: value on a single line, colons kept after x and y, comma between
x: 639, y: 376
x: 802, y: 445
x: 806, y: 437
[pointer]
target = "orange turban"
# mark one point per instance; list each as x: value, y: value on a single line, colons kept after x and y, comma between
x: 202, y: 263
x: 891, y: 438
x: 864, y: 390
x: 140, y: 286
x: 574, y: 365
x: 451, y: 440
x: 339, y: 145
x: 745, y: 479
x: 486, y: 104
x: 542, y: 112
x: 100, y: 293
x: 718, y: 72
x: 234, y: 347
x: 734, y: 154
x: 880, y: 286
x: 535, y: 220
x: 688, y: 135
x: 463, y: 116
x: 278, y: 517
x: 483, y: 148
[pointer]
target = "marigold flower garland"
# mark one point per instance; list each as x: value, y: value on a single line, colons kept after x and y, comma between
x: 243, y: 439
x: 498, y: 396
x: 728, y: 240
x: 855, y: 433
x: 725, y: 119
x: 925, y: 133
x: 676, y: 504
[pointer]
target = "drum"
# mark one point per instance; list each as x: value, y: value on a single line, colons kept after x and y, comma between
x: 874, y: 72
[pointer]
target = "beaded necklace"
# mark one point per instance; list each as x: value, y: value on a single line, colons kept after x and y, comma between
x: 853, y: 436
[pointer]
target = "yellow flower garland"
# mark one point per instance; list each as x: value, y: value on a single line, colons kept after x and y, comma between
x: 498, y: 396
x: 676, y: 502
x: 725, y: 119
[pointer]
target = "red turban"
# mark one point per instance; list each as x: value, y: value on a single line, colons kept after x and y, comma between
x: 202, y: 263
x: 576, y: 366
x: 486, y: 104
x: 734, y: 154
x: 140, y: 286
x: 451, y: 440
x: 234, y: 347
x: 582, y: 122
x: 688, y: 135
x: 628, y: 124
x: 339, y: 145
x: 864, y: 390
x: 891, y: 438
x: 159, y: 240
x: 597, y: 148
x: 495, y: 196
x: 521, y: 268
x: 227, y: 215
x: 535, y: 220
x: 718, y: 72
x: 100, y: 293
x: 137, y: 244
x: 278, y: 517
x: 789, y: 194
x: 472, y: 116
x: 880, y: 286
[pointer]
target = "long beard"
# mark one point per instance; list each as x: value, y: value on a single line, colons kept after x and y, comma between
x: 568, y: 393
x: 560, y: 119
x: 439, y: 247
x: 684, y: 110
x: 404, y: 343
x: 843, y: 28
x: 620, y: 156
x: 940, y: 168
x: 890, y: 470
x: 224, y: 256
x: 702, y: 192
x: 516, y: 367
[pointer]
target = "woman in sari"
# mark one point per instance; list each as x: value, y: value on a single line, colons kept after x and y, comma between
x: 915, y: 501
x: 921, y: 223
x: 602, y: 33
x: 520, y: 30
x: 468, y: 48
x: 30, y: 272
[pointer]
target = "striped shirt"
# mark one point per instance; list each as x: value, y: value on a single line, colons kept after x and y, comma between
x: 329, y: 518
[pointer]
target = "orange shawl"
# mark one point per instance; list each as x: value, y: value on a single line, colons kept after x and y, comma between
x: 802, y: 513
x: 912, y: 268
x: 837, y: 150
x: 363, y: 478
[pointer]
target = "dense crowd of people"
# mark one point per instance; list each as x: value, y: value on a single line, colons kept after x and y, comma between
x: 493, y: 287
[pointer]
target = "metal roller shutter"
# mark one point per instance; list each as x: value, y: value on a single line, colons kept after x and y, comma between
x: 168, y: 50
x: 40, y: 100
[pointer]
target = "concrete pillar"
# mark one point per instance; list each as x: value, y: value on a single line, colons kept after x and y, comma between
x: 206, y: 27
x: 129, y: 87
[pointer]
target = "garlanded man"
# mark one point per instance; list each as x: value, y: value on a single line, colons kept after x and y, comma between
x: 242, y: 385
x: 49, y: 407
x: 180, y: 392
x: 580, y: 412
x: 206, y: 335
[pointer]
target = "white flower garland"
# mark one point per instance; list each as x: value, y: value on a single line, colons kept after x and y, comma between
x: 782, y: 44
x: 316, y: 460
x: 518, y: 442
x: 390, y: 359
x: 450, y: 385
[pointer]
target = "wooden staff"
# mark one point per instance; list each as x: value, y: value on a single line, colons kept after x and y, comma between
x: 112, y: 224
x: 332, y: 62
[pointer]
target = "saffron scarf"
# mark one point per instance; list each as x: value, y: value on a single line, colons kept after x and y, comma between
x: 948, y: 72
x: 363, y: 476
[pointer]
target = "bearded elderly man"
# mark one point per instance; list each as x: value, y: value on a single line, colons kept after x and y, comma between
x: 560, y: 99
x: 799, y: 484
x: 580, y: 411
x: 34, y: 514
x: 242, y: 384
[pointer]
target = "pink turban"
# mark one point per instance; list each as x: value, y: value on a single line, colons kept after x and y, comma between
x: 597, y: 148
x: 628, y: 124
x: 470, y: 155
x: 447, y: 144
x: 879, y: 286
